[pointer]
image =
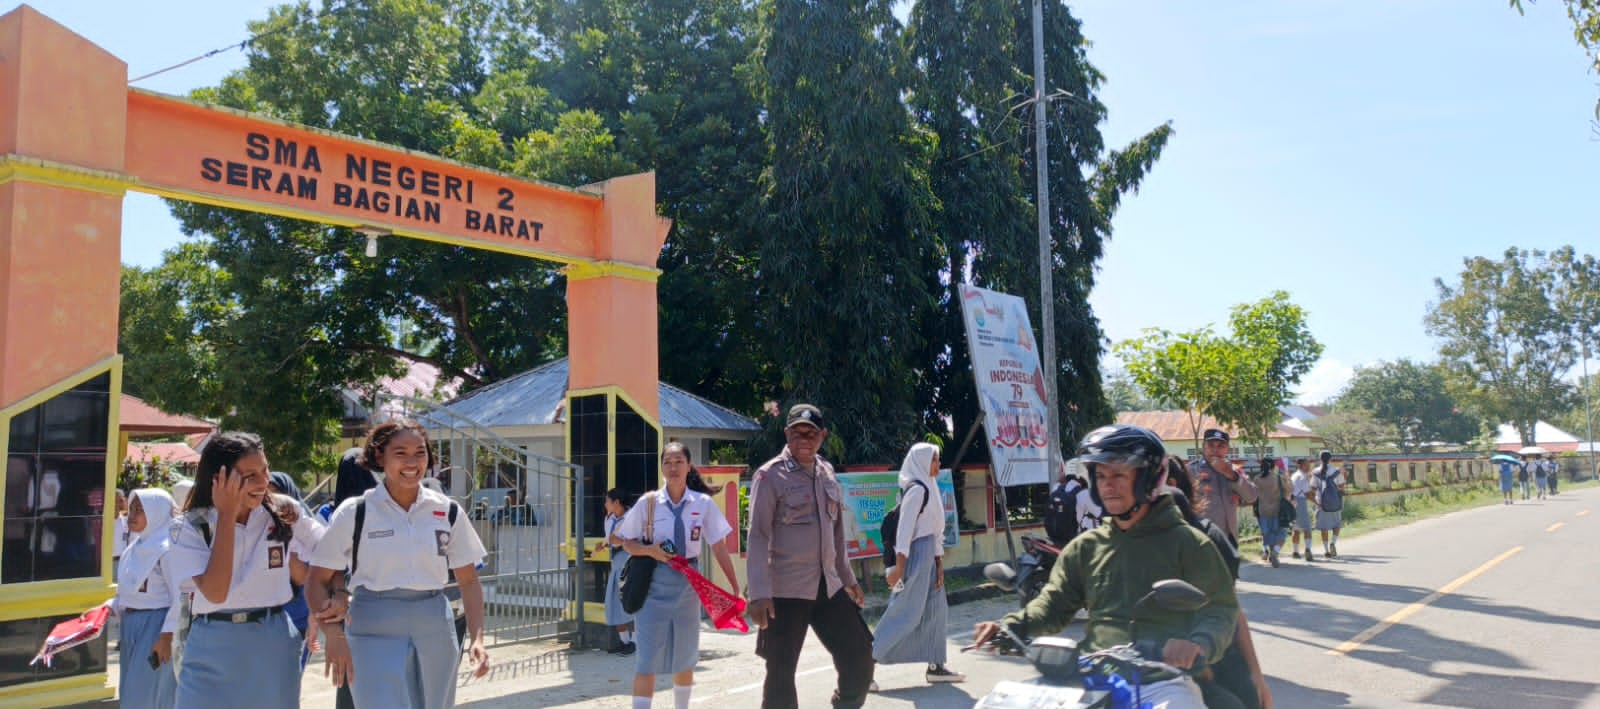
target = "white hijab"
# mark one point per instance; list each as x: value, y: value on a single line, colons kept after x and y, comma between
x: 146, y: 547
x: 916, y: 468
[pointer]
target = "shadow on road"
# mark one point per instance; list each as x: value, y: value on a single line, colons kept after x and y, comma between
x: 1289, y: 694
x: 1478, y: 690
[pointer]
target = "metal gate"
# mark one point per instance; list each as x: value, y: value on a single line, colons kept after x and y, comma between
x: 520, y: 502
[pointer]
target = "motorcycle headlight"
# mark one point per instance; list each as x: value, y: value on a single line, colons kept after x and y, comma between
x: 1055, y: 658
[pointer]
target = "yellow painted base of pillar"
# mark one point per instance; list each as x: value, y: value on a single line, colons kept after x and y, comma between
x: 57, y: 692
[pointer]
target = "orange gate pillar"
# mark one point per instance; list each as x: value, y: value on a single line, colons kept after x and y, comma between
x: 63, y: 111
x: 613, y: 417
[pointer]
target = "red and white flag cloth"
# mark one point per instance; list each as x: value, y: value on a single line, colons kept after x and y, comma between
x: 72, y: 633
x: 726, y: 610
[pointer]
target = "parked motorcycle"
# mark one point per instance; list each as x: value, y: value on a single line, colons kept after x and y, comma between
x: 1071, y: 679
x: 1033, y: 568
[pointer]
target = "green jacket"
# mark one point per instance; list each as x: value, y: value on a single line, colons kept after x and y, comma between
x: 1106, y: 570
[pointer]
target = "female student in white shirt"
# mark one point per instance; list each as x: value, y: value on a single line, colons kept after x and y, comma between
x: 667, y: 628
x: 398, y: 647
x: 242, y: 651
x: 147, y: 604
x: 912, y: 627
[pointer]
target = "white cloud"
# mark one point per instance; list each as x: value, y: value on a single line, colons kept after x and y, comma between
x: 1323, y: 382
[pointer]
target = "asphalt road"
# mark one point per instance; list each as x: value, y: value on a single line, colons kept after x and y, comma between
x: 1490, y: 607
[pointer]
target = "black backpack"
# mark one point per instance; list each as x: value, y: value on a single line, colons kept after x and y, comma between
x: 1061, y: 513
x: 891, y: 524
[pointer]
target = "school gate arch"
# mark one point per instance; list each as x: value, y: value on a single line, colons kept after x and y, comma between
x: 74, y: 138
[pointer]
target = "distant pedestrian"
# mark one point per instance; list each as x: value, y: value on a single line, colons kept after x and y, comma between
x: 1271, y: 504
x: 1328, y: 485
x: 120, y: 535
x: 1522, y: 477
x: 1552, y: 471
x: 1219, y: 486
x: 1299, y: 489
x: 1506, y: 473
x: 1540, y: 476
x: 618, y: 503
x: 912, y: 628
x: 800, y: 577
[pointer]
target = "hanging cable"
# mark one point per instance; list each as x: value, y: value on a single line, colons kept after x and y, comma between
x: 241, y: 46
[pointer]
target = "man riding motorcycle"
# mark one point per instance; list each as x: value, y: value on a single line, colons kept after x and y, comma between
x: 1106, y: 570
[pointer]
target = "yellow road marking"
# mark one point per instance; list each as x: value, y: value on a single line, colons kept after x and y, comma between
x: 1580, y: 514
x: 1404, y: 613
x: 1555, y: 526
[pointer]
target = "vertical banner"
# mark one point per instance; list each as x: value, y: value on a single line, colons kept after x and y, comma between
x: 868, y: 497
x: 1011, y: 391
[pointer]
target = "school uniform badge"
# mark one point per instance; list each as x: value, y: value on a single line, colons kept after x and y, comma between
x: 275, y: 556
x: 441, y: 539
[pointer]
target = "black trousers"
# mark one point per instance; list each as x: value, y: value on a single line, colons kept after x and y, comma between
x: 838, y: 624
x: 1230, y: 686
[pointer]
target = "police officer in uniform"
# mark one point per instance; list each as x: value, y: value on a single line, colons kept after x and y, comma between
x: 799, y: 575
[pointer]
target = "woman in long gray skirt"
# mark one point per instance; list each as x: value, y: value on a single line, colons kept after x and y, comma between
x: 617, y: 505
x: 913, y: 626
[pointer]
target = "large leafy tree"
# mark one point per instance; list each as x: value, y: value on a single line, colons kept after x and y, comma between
x: 976, y: 73
x: 1411, y: 398
x: 849, y: 261
x: 1505, y: 343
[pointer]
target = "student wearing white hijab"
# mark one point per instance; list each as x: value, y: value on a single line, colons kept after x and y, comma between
x: 147, y: 603
x: 912, y: 628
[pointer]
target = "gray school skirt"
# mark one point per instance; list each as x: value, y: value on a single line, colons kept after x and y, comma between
x: 403, y: 647
x: 667, y: 628
x: 241, y: 665
x: 615, y: 616
x: 912, y: 628
x: 138, y: 686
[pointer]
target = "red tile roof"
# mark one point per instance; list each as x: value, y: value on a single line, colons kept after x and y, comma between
x: 140, y: 417
x: 167, y: 452
x: 1175, y: 425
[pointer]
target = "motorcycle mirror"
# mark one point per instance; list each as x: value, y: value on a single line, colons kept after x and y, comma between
x: 1001, y: 575
x: 1173, y: 595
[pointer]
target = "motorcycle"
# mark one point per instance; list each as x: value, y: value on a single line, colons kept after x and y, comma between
x: 1033, y: 568
x: 1072, y: 679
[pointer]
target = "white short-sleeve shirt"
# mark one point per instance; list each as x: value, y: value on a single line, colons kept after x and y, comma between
x: 411, y: 549
x: 260, y: 565
x: 157, y: 591
x: 702, y: 522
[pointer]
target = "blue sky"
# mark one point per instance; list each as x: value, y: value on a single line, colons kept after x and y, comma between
x: 1346, y: 152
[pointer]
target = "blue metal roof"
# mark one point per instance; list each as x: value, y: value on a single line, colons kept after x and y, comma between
x: 534, y: 398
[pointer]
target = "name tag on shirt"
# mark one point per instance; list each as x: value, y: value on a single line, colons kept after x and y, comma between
x: 380, y: 534
x: 694, y: 534
x: 441, y: 539
x: 275, y: 556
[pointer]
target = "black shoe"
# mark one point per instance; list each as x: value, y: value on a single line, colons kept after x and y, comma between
x: 624, y: 649
x: 1333, y: 550
x: 1309, y: 557
x: 1297, y: 554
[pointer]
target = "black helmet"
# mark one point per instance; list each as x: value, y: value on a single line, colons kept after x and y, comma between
x: 1123, y: 443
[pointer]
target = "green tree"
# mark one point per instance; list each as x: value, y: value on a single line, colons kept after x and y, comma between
x: 1240, y: 380
x: 976, y: 70
x: 849, y: 262
x: 1271, y: 348
x: 1191, y: 369
x: 1125, y: 394
x: 1412, y: 398
x: 1353, y: 431
x: 1505, y: 344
